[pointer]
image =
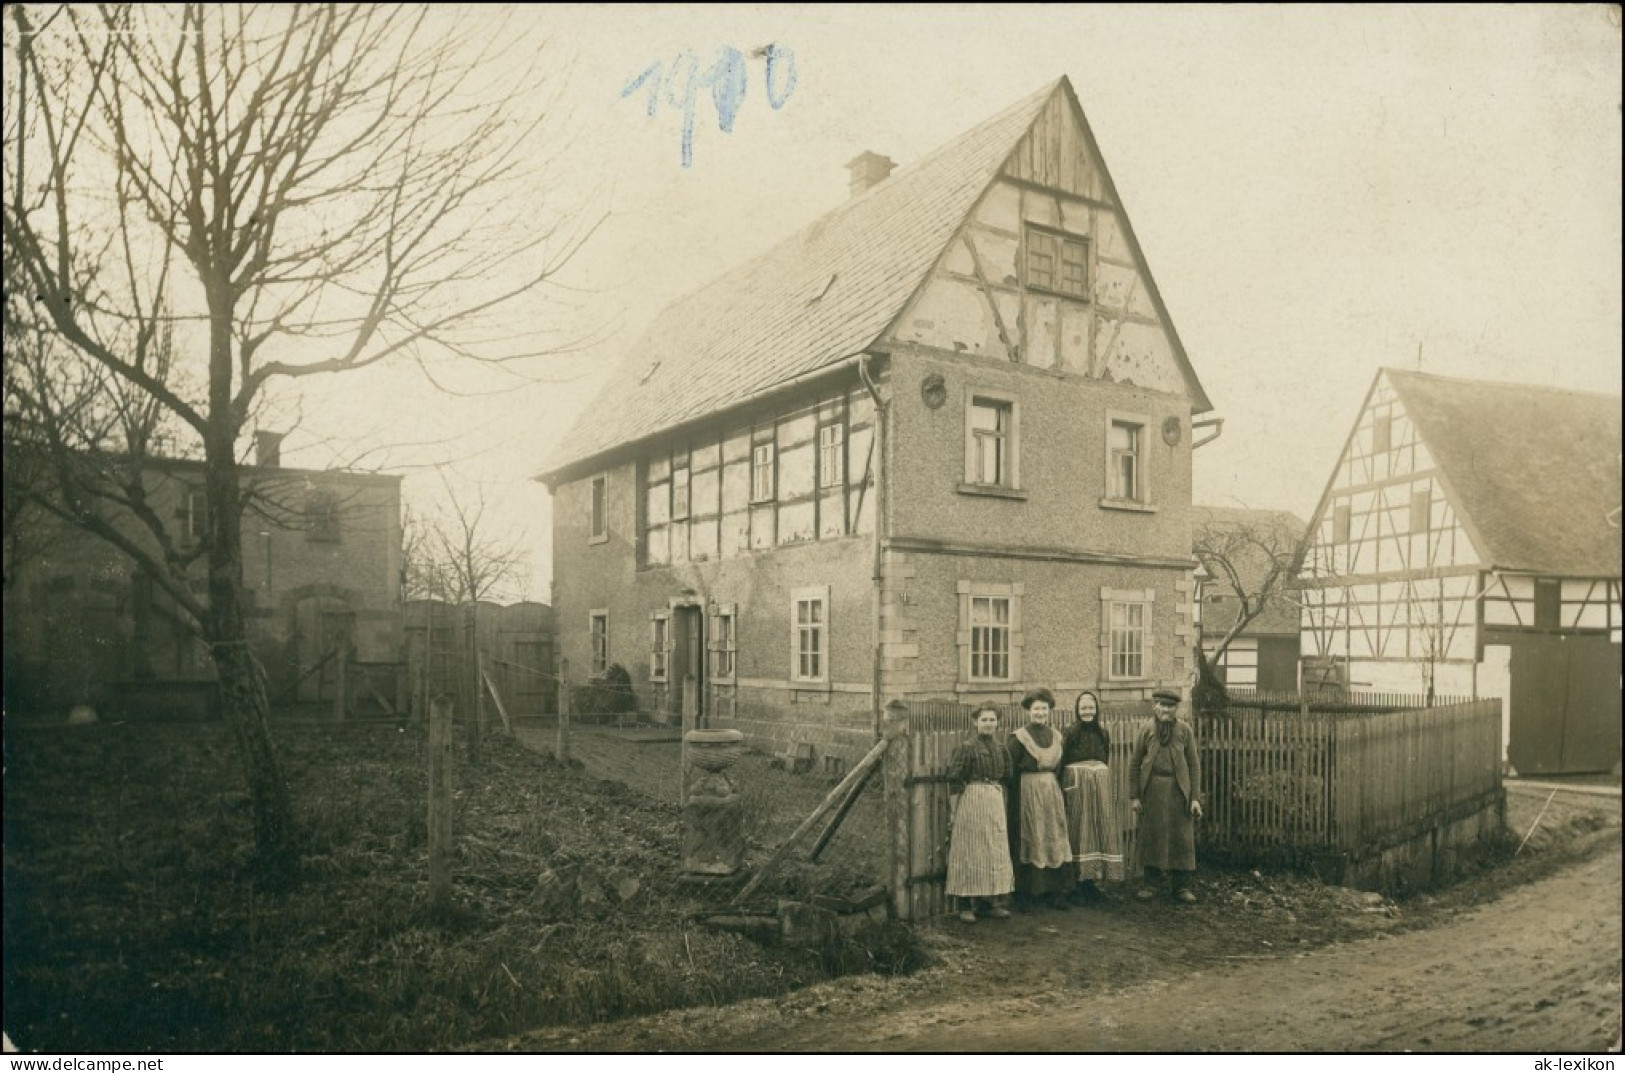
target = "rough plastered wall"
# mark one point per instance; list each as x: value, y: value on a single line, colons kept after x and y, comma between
x: 1057, y: 630
x: 1060, y: 498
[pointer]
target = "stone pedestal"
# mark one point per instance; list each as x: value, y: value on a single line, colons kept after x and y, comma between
x: 713, y: 829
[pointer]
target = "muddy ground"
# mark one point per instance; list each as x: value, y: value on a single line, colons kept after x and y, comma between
x: 1522, y: 956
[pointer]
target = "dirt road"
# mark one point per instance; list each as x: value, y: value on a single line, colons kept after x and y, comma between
x: 1537, y: 970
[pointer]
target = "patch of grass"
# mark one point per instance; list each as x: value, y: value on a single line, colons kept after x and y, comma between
x: 134, y: 920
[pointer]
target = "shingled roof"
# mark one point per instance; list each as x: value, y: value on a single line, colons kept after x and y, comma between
x: 814, y: 302
x: 1534, y: 471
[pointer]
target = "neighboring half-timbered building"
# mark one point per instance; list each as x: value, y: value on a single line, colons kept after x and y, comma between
x: 936, y: 444
x: 1468, y: 542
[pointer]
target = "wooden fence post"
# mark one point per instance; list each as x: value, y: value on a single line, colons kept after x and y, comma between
x: 470, y: 683
x: 401, y: 702
x: 895, y: 783
x: 691, y: 705
x: 341, y: 677
x: 440, y: 713
x: 561, y: 750
x: 423, y: 684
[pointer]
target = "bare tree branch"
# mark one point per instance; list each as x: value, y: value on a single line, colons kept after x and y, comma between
x: 242, y: 195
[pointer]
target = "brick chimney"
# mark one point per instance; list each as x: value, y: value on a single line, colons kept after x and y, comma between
x: 868, y: 169
x: 268, y: 449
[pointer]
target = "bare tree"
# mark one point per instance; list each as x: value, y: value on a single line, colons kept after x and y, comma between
x: 460, y: 558
x: 207, y: 201
x: 1253, y: 557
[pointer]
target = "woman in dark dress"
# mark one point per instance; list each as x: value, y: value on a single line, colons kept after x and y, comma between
x: 1091, y: 808
x: 1039, y: 845
x: 979, y: 848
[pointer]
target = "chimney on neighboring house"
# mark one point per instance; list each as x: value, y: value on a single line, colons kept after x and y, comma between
x: 268, y: 449
x: 868, y: 169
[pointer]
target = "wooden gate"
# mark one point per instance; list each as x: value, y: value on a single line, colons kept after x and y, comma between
x: 916, y: 781
x: 1565, y: 704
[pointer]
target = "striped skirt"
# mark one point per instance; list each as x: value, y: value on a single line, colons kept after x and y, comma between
x: 1044, y: 842
x: 979, y: 849
x: 1091, y: 816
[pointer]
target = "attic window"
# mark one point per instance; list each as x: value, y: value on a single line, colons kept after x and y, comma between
x: 1056, y: 262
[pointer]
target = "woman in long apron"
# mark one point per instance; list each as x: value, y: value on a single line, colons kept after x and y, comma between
x: 979, y: 870
x: 1041, y: 850
x: 1091, y: 810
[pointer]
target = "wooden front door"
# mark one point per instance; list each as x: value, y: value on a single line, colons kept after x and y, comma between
x: 688, y: 656
x: 322, y: 625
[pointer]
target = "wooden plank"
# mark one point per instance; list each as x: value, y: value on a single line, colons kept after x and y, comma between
x: 440, y: 809
x: 496, y: 696
x: 840, y: 814
x: 872, y: 758
x: 895, y: 775
x: 561, y: 747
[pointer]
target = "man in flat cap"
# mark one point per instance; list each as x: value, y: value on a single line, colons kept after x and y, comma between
x: 1164, y: 785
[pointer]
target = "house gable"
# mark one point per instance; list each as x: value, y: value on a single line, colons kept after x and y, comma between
x: 1390, y: 570
x: 1387, y: 508
x: 1045, y: 270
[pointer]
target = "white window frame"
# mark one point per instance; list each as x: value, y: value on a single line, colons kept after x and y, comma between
x: 1141, y: 496
x: 1055, y: 244
x: 1010, y: 406
x: 659, y: 645
x: 1110, y: 600
x: 194, y: 515
x: 764, y: 471
x: 598, y: 509
x: 680, y: 492
x: 989, y: 638
x: 831, y: 455
x: 969, y: 592
x: 724, y: 643
x: 818, y: 631
x: 597, y: 641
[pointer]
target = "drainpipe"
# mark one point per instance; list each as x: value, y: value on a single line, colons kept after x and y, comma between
x: 1215, y: 423
x: 882, y: 516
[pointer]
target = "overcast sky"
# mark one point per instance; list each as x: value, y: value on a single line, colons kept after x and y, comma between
x: 1318, y: 192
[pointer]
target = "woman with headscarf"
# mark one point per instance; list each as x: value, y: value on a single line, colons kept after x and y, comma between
x: 1040, y: 847
x: 1164, y: 780
x: 1091, y: 810
x: 979, y: 849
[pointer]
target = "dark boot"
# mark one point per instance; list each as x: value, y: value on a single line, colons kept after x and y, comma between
x: 1149, y: 885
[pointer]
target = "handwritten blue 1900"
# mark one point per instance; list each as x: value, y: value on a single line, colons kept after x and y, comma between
x: 726, y: 78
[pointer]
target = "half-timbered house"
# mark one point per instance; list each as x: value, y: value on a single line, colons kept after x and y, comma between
x: 1468, y: 542
x: 935, y: 444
